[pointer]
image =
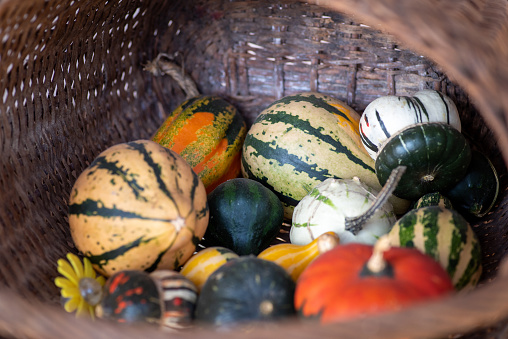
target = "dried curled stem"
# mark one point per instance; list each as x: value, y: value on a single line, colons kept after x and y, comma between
x: 162, y: 65
x: 355, y: 224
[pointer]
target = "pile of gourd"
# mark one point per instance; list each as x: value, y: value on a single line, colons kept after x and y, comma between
x: 378, y: 206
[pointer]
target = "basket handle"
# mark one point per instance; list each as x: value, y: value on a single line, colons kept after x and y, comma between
x: 162, y: 65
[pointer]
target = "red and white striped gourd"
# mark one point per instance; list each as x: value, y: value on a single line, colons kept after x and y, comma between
x: 387, y: 115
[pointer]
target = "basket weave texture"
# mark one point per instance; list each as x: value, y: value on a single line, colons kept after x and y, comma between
x: 74, y: 83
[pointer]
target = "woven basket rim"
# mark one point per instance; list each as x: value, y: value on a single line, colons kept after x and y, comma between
x: 482, y: 307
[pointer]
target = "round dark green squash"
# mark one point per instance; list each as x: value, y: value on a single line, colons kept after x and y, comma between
x: 436, y: 156
x: 477, y: 192
x: 246, y: 289
x: 245, y: 216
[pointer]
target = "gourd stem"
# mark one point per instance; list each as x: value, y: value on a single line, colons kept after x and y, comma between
x: 327, y: 241
x: 377, y: 262
x: 355, y: 224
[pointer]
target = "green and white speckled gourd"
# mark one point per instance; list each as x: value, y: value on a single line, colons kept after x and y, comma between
x: 348, y: 207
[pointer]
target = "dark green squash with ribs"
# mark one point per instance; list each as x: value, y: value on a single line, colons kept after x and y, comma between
x: 243, y: 290
x: 436, y: 155
x: 476, y: 193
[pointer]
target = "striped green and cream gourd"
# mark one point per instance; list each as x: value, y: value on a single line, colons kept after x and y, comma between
x: 301, y: 140
x: 445, y: 235
x: 138, y: 206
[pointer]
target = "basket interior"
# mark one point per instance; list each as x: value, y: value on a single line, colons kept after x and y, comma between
x: 74, y: 84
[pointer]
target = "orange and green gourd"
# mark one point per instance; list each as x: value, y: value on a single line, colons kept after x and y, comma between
x: 208, y: 132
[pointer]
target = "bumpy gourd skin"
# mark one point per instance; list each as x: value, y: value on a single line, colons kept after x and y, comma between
x: 137, y: 206
x: 436, y: 156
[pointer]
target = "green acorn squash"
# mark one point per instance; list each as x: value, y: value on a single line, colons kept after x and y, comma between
x: 246, y: 289
x: 477, y: 192
x: 245, y: 216
x: 436, y: 155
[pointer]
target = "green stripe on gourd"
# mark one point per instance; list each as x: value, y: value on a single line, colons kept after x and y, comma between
x: 301, y: 140
x: 433, y: 199
x: 446, y: 236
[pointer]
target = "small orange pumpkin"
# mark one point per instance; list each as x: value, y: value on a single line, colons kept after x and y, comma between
x: 208, y: 132
x: 355, y: 280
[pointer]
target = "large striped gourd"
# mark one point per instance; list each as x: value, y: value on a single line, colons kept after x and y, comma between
x: 387, y: 115
x: 137, y: 206
x: 199, y: 267
x: 446, y: 236
x: 301, y: 140
x: 208, y: 132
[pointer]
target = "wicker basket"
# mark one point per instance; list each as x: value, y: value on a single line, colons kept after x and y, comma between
x: 73, y: 83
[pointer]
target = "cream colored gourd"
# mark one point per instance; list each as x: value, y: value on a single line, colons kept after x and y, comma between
x: 387, y: 115
x: 328, y: 206
x: 295, y: 258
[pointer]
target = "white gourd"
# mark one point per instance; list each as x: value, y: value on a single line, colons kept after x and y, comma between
x: 330, y: 203
x: 387, y: 115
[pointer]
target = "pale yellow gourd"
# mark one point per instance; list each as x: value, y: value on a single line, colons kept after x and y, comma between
x: 295, y: 258
x: 199, y: 267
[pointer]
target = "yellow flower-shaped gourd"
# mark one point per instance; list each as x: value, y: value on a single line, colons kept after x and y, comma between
x: 79, y: 285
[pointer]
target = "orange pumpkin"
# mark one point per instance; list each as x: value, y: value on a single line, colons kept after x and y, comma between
x: 208, y: 132
x: 355, y: 280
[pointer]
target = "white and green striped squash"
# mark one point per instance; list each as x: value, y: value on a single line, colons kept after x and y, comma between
x: 445, y: 235
x: 138, y: 206
x: 301, y: 140
x: 387, y: 115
